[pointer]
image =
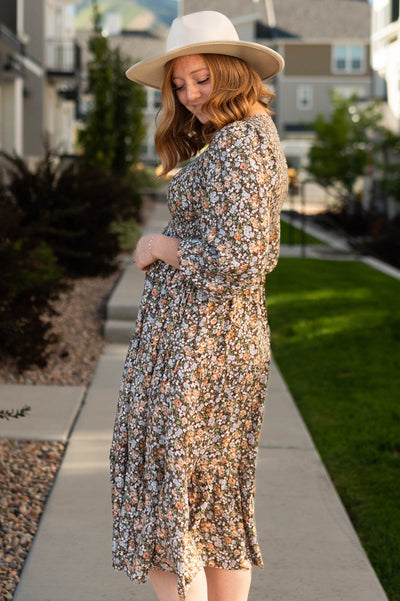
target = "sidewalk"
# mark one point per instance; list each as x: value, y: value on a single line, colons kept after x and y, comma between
x: 311, y: 551
x: 334, y: 247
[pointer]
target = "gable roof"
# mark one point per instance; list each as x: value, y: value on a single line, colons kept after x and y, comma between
x: 316, y: 19
x: 297, y: 19
x: 231, y: 8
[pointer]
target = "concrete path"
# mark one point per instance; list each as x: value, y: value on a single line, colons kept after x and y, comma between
x: 311, y: 551
x: 52, y: 415
x: 335, y: 248
x: 123, y: 304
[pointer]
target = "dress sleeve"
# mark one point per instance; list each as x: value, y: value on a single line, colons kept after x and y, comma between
x: 239, y: 221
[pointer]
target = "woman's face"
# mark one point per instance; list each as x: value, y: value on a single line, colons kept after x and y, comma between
x: 191, y: 82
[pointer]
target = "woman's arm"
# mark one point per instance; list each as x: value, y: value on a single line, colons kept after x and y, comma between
x: 152, y: 247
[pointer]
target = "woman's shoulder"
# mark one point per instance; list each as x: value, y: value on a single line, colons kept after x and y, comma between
x: 249, y: 142
x: 256, y: 129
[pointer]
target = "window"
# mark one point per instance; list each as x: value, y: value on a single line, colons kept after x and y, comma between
x: 304, y: 97
x: 395, y: 10
x: 340, y: 58
x: 348, y: 59
x: 157, y: 99
x: 356, y: 58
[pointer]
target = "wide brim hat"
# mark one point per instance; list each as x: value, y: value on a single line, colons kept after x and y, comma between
x: 205, y: 32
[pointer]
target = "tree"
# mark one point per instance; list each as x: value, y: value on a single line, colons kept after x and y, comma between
x: 390, y: 148
x: 342, y: 147
x: 114, y: 125
x: 128, y: 102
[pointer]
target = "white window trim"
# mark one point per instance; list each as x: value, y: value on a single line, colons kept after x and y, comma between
x: 346, y: 91
x: 310, y: 91
x: 348, y: 70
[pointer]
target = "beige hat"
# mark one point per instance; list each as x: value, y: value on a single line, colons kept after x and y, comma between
x: 206, y: 32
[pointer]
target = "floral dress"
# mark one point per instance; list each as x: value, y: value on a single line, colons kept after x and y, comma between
x: 190, y: 409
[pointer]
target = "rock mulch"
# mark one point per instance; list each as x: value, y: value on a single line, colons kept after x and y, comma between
x: 78, y: 325
x: 27, y: 471
x: 28, y: 468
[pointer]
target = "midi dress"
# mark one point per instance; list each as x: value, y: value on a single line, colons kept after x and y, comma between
x: 191, y: 401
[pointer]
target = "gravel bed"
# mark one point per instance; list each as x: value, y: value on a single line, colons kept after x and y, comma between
x: 27, y: 471
x: 78, y: 325
x: 28, y: 468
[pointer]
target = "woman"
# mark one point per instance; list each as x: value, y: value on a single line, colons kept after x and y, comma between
x: 191, y: 401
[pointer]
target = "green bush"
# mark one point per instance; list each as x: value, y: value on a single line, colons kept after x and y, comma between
x: 90, y: 202
x: 128, y: 233
x: 54, y: 222
x: 71, y: 209
x: 31, y: 279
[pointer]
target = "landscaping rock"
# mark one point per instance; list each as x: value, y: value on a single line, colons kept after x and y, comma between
x: 28, y: 468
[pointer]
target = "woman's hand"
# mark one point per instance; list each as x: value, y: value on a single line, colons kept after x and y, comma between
x: 144, y: 255
x: 152, y: 247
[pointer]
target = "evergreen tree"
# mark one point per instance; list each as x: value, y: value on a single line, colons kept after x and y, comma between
x: 114, y: 125
x: 128, y: 101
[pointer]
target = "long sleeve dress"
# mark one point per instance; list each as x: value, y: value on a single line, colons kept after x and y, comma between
x: 191, y: 401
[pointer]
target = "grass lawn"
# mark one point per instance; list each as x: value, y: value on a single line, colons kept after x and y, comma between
x: 292, y: 235
x: 335, y: 335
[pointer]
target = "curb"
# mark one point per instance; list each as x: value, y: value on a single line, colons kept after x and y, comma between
x: 335, y: 242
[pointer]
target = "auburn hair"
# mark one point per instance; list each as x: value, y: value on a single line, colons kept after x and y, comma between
x: 235, y: 87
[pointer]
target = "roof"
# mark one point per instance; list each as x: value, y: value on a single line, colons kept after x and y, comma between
x: 230, y: 8
x: 140, y: 44
x: 298, y: 19
x: 135, y: 45
x: 316, y: 19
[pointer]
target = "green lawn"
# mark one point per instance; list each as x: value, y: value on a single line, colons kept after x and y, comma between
x: 335, y: 335
x: 292, y: 235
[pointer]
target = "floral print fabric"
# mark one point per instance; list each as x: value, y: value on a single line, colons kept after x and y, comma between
x: 191, y: 401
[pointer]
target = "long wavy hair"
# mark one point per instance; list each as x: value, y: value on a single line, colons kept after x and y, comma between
x: 235, y: 87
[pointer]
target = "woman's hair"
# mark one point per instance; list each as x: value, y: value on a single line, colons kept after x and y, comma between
x: 235, y: 87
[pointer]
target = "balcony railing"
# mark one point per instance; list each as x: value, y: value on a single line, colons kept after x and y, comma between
x: 9, y: 40
x: 63, y: 58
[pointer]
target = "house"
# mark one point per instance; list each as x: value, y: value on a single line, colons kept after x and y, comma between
x: 39, y: 76
x: 385, y: 56
x: 325, y: 44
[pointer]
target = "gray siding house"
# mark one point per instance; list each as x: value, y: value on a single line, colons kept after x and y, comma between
x: 326, y: 45
x: 39, y: 76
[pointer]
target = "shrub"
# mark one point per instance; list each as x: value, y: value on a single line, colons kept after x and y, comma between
x: 54, y: 222
x: 71, y: 209
x: 128, y: 233
x: 31, y: 279
x: 90, y: 201
x: 385, y: 244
